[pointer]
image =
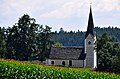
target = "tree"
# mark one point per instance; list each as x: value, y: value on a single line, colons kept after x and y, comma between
x: 2, y: 43
x: 22, y: 37
x: 9, y: 43
x: 44, y: 42
x: 61, y: 30
x: 108, y: 51
x: 28, y: 40
x: 116, y: 60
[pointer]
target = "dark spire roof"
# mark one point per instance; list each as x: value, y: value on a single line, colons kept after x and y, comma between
x: 90, y: 27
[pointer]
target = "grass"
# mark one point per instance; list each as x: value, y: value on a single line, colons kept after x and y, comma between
x: 11, y: 69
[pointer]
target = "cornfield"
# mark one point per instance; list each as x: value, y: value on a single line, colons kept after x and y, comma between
x: 11, y: 69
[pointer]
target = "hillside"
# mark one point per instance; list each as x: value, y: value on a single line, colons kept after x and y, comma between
x: 73, y: 38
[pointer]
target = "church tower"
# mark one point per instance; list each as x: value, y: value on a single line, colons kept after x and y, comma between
x: 90, y: 48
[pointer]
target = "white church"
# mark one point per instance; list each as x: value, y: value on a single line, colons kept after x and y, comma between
x: 77, y: 56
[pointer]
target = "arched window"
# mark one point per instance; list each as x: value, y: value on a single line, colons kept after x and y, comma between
x: 70, y: 63
x: 89, y: 42
x: 52, y: 62
x: 63, y: 62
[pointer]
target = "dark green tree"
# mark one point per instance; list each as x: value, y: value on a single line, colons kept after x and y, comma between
x: 44, y: 42
x: 22, y: 37
x: 2, y: 43
x: 9, y: 43
x: 107, y: 52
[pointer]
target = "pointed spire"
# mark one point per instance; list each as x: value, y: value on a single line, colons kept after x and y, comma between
x: 90, y: 27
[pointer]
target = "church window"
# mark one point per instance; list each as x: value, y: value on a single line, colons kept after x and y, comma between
x: 70, y: 63
x: 89, y: 42
x: 63, y: 62
x: 52, y: 62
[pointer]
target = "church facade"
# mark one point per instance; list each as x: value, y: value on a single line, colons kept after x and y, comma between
x: 77, y: 56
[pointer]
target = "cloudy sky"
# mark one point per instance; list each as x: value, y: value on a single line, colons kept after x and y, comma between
x: 69, y: 14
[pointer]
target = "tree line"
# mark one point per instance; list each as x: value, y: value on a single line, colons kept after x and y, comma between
x: 76, y: 38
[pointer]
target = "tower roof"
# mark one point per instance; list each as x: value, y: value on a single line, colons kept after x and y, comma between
x: 90, y: 27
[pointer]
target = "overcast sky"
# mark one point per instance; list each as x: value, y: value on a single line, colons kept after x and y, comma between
x: 69, y: 14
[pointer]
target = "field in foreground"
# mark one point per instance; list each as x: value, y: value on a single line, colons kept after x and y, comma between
x: 11, y: 69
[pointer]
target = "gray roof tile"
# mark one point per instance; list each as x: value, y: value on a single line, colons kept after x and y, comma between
x: 67, y: 52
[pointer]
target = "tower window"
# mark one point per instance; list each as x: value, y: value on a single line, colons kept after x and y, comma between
x: 89, y: 42
x: 63, y: 62
x: 52, y: 62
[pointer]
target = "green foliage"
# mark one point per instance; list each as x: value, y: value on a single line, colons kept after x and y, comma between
x: 69, y: 38
x: 77, y: 38
x: 11, y: 69
x: 108, y: 53
x: 58, y: 44
x: 43, y: 42
x: 27, y: 40
x: 21, y: 38
x: 44, y: 37
x: 2, y: 43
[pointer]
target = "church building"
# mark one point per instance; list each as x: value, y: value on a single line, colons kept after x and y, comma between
x: 77, y: 56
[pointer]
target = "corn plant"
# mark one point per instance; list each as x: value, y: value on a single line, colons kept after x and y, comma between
x: 11, y: 69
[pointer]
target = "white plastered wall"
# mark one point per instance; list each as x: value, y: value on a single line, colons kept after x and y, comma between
x: 75, y: 63
x: 91, y: 57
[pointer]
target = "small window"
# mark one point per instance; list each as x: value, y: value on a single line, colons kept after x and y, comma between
x: 52, y: 62
x: 63, y: 62
x: 70, y: 63
x: 89, y: 42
